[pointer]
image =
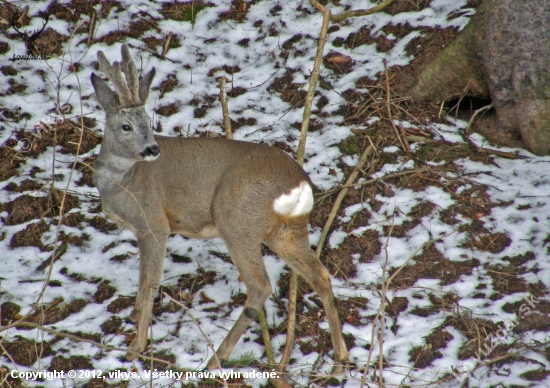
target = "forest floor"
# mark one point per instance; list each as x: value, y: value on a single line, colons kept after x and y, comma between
x: 457, y: 219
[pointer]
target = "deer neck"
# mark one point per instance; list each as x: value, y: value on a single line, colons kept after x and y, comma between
x: 111, y: 171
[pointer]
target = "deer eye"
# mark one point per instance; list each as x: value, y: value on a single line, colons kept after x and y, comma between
x: 126, y: 128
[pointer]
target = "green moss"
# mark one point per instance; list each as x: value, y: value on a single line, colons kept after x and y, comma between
x: 349, y: 146
x: 183, y: 12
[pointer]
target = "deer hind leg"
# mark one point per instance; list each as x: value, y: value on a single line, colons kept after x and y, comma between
x: 291, y: 243
x: 249, y: 262
x: 152, y: 251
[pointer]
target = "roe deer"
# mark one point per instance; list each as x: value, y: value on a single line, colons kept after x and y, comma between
x: 202, y: 188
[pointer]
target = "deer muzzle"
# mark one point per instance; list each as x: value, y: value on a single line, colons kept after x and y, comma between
x: 150, y: 153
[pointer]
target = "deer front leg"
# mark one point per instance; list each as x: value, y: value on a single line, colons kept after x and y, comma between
x: 152, y: 251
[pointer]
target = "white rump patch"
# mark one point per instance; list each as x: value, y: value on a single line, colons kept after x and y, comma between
x: 298, y: 202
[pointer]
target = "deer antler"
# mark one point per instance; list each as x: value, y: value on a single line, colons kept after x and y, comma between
x: 130, y: 72
x: 126, y: 90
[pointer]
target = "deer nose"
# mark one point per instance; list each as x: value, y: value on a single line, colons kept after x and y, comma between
x: 153, y: 150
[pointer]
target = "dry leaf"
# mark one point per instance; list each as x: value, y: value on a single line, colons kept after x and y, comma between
x: 339, y: 59
x: 205, y: 298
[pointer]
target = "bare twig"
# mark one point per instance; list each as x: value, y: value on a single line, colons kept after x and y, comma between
x: 225, y: 108
x: 266, y: 338
x: 279, y: 381
x: 63, y: 197
x: 361, y: 12
x: 23, y: 14
x: 210, y: 345
x: 157, y: 55
x: 385, y: 287
x: 382, y: 310
x: 314, y: 78
x: 166, y: 45
x: 291, y: 321
x: 91, y: 29
x: 343, y: 192
x: 476, y: 112
x: 94, y: 343
x: 374, y: 180
x: 312, y: 86
x: 293, y: 285
x: 388, y: 103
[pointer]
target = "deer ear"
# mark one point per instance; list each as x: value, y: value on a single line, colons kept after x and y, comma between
x: 144, y: 85
x: 106, y: 97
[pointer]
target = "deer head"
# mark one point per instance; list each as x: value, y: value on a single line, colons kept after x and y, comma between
x: 128, y: 133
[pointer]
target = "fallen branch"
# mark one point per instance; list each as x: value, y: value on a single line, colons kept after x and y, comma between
x: 362, y: 12
x: 476, y: 112
x: 155, y: 54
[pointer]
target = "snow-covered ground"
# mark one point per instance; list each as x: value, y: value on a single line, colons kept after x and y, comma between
x: 515, y: 192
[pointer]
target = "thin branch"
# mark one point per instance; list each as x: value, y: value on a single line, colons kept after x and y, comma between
x: 293, y: 286
x: 374, y: 180
x: 385, y: 286
x: 63, y: 198
x: 92, y: 342
x: 291, y: 321
x: 266, y: 338
x: 476, y: 112
x: 157, y: 55
x: 340, y: 198
x: 382, y: 309
x: 166, y: 45
x: 210, y: 345
x: 91, y: 29
x: 362, y: 12
x: 314, y: 78
x: 388, y: 103
x: 225, y: 108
